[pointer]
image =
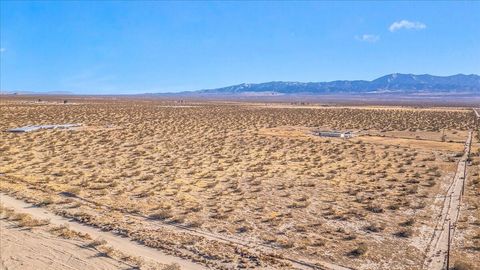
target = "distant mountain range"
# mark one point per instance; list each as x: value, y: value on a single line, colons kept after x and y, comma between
x: 393, y: 83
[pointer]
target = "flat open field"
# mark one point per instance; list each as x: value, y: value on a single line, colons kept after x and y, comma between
x: 240, y: 185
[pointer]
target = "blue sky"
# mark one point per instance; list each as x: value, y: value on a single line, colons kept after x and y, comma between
x: 135, y: 47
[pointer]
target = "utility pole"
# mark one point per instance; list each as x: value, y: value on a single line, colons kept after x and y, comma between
x: 448, y: 247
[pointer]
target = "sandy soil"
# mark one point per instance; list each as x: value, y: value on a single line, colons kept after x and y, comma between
x: 418, y: 144
x: 122, y: 244
x: 215, y: 183
x: 26, y: 249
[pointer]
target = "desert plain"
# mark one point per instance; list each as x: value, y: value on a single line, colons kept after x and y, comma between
x: 231, y: 185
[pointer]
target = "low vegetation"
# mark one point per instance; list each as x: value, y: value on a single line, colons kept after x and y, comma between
x: 182, y: 177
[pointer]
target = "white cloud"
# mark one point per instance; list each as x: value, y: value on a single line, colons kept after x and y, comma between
x: 404, y: 24
x: 2, y: 49
x: 368, y: 38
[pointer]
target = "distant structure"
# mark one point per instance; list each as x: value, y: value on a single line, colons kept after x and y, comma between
x: 34, y: 128
x: 334, y: 133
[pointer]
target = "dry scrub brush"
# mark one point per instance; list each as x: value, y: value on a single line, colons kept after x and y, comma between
x: 211, y: 168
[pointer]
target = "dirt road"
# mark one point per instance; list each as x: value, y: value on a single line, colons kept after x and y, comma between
x: 477, y: 119
x: 477, y: 112
x: 122, y: 244
x: 436, y: 255
x: 33, y: 250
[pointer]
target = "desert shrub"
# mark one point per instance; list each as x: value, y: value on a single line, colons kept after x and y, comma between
x: 408, y: 222
x: 285, y: 243
x: 161, y: 214
x: 350, y: 237
x: 393, y: 206
x: 404, y: 233
x: 26, y: 220
x: 65, y: 232
x: 361, y: 249
x: 318, y: 242
x: 97, y: 242
x: 374, y: 227
x: 172, y: 266
x: 72, y: 192
x: 374, y: 208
